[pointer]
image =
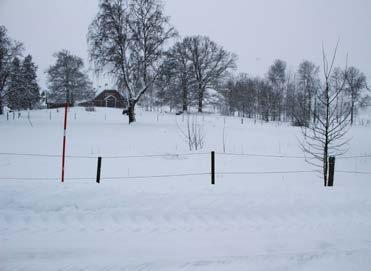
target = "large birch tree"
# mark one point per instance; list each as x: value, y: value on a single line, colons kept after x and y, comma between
x: 127, y: 41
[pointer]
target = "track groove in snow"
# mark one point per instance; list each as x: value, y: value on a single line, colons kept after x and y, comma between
x: 263, y: 261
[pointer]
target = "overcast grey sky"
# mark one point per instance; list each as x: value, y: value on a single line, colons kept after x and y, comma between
x: 258, y: 31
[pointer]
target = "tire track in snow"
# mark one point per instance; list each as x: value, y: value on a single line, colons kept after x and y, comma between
x: 188, y: 221
x: 256, y: 261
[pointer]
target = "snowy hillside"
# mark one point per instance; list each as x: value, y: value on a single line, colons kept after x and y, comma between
x: 156, y: 209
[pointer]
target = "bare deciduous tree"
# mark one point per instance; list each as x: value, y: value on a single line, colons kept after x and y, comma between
x: 308, y: 83
x: 277, y: 79
x: 193, y: 133
x: 326, y: 136
x: 126, y: 39
x: 178, y: 56
x: 67, y: 81
x: 239, y: 93
x: 356, y: 82
x: 210, y: 63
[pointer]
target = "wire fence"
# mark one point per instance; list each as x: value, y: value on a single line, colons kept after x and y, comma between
x: 179, y: 175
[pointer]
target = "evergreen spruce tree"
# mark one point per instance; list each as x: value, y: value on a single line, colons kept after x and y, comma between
x: 8, y: 50
x: 31, y: 90
x: 15, y: 89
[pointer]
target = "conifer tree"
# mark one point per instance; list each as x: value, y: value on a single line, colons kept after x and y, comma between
x: 31, y: 95
x: 15, y: 89
x: 8, y: 50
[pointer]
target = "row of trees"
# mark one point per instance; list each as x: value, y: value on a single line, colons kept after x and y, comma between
x: 67, y: 80
x: 291, y: 96
x: 128, y: 40
x: 18, y: 78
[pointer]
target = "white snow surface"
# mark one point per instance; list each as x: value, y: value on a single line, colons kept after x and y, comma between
x: 245, y: 222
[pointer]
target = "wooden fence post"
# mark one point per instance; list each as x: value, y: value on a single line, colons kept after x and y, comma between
x: 213, y: 167
x: 331, y: 170
x: 99, y: 169
x: 7, y: 115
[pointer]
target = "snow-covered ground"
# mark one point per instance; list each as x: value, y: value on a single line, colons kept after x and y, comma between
x: 276, y: 221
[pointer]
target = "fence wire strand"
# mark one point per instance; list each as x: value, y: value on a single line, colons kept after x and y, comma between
x: 109, y: 178
x: 105, y: 157
x: 354, y: 172
x: 265, y: 172
x: 260, y: 155
x: 158, y: 176
x: 173, y: 155
x: 176, y: 175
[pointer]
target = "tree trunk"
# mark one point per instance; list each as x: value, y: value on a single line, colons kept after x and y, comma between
x: 314, y: 111
x: 1, y: 106
x: 352, y: 113
x: 67, y: 96
x: 185, y: 99
x: 131, y: 111
x: 309, y: 108
x: 185, y: 107
x: 325, y: 158
x: 326, y: 145
x: 200, y: 100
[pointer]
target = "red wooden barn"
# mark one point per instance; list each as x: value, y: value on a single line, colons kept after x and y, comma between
x: 107, y: 98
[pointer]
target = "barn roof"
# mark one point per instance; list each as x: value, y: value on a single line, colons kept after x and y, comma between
x: 108, y: 92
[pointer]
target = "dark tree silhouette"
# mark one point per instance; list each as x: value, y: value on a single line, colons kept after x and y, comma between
x: 126, y: 40
x: 326, y: 136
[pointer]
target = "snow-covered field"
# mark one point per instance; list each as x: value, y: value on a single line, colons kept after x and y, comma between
x: 275, y: 221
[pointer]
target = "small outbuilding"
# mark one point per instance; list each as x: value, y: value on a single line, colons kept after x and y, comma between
x: 107, y: 98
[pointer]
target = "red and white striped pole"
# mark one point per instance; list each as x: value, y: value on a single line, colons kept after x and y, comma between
x: 64, y: 139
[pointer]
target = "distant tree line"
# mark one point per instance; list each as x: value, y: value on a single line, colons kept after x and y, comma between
x: 282, y: 95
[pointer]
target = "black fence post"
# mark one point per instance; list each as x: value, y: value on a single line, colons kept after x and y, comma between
x: 213, y: 167
x: 99, y: 169
x: 331, y: 170
x: 7, y: 115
